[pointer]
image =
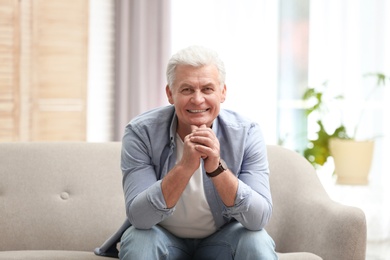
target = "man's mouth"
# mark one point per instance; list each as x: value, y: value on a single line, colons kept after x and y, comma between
x: 194, y: 111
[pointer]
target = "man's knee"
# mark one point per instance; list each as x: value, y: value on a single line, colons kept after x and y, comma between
x: 141, y: 242
x: 256, y: 244
x: 154, y: 243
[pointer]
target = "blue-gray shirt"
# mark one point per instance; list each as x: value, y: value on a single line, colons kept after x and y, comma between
x: 149, y: 153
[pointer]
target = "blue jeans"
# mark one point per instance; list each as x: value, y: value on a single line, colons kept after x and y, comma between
x: 233, y: 241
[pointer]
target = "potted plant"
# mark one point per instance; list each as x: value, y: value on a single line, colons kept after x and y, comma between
x: 352, y: 157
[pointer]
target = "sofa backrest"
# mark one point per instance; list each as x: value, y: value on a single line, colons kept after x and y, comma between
x: 59, y: 196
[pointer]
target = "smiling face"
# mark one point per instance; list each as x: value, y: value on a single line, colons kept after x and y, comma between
x: 197, y: 95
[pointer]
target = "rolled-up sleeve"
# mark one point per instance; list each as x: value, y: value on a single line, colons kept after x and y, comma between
x: 253, y: 203
x: 145, y: 204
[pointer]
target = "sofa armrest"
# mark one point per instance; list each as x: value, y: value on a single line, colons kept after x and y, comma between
x: 348, y: 225
x: 304, y: 218
x: 332, y: 231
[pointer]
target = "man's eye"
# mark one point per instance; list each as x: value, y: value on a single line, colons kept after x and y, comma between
x: 186, y: 91
x: 208, y: 90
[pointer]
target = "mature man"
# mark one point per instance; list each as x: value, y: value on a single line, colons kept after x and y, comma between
x: 195, y: 176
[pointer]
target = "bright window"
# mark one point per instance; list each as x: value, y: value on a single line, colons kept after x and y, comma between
x: 245, y: 34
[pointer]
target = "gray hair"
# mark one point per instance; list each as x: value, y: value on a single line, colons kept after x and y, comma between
x: 196, y: 56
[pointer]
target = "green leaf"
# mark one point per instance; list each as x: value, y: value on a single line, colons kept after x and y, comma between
x: 310, y: 92
x: 341, y: 132
x: 380, y: 78
x: 317, y: 152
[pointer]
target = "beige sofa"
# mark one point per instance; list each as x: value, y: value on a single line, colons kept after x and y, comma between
x: 62, y: 200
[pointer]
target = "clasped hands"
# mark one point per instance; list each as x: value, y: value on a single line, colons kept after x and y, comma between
x: 201, y: 143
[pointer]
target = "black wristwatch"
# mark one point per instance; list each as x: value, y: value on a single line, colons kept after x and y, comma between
x: 221, y: 168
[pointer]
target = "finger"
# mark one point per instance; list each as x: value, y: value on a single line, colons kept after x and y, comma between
x: 202, y: 140
x: 193, y: 128
x: 204, y: 132
x: 201, y: 128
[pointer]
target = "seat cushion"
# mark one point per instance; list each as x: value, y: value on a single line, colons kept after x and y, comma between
x: 48, y: 255
x: 78, y: 255
x: 298, y: 256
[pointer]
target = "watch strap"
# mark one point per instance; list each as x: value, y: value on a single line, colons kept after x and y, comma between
x: 218, y: 171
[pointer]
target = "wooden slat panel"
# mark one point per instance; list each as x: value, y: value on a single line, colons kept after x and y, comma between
x: 60, y: 48
x: 43, y: 70
x: 9, y: 70
x: 7, y: 126
x: 25, y: 70
x: 60, y: 69
x: 59, y: 125
x: 8, y: 51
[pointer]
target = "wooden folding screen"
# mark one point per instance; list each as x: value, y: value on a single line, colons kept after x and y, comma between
x: 43, y: 70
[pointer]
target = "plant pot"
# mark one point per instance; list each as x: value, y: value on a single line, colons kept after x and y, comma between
x: 352, y: 160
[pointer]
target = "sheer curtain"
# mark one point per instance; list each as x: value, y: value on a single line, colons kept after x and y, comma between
x: 347, y: 40
x: 141, y: 53
x: 100, y: 71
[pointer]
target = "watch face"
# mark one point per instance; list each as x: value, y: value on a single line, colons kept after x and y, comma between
x: 221, y: 168
x: 223, y: 163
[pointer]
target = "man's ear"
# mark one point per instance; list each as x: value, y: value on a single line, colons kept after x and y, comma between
x: 224, y: 90
x: 169, y: 94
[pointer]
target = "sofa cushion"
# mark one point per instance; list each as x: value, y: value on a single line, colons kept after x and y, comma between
x: 298, y: 256
x: 77, y: 255
x: 48, y: 255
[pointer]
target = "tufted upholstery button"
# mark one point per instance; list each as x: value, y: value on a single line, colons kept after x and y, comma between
x: 64, y: 195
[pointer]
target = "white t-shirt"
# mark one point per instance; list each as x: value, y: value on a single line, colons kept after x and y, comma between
x: 192, y: 217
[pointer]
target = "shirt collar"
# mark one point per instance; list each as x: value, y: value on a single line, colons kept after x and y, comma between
x: 172, y: 131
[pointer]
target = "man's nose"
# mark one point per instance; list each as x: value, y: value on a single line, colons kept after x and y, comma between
x: 197, y: 97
